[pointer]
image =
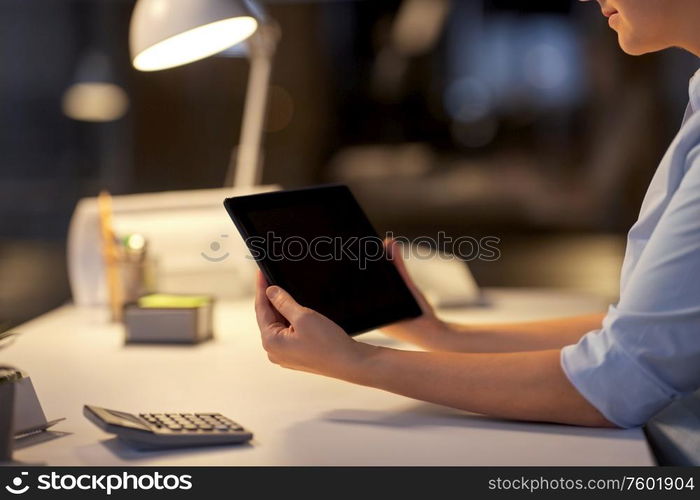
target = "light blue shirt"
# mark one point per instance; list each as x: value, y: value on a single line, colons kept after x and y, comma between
x: 647, y: 352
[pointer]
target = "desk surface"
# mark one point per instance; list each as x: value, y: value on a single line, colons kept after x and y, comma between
x: 75, y: 357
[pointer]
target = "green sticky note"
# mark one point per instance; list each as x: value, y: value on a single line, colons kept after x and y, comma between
x: 162, y: 300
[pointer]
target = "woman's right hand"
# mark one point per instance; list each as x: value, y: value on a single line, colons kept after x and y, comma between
x: 427, y: 330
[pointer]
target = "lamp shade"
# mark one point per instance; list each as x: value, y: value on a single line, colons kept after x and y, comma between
x: 95, y: 95
x: 169, y: 33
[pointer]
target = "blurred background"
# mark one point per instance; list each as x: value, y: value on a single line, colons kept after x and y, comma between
x: 521, y: 120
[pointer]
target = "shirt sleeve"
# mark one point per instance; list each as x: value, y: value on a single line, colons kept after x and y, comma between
x: 647, y: 352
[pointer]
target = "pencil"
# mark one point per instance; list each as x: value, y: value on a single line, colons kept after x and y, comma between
x: 110, y: 255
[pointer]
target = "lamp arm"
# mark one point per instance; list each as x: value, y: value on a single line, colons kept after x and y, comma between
x: 248, y: 164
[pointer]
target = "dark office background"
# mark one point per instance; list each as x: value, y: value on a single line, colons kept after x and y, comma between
x: 475, y: 117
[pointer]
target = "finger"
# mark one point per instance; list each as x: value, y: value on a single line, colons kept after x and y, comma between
x: 265, y: 314
x: 285, y: 303
x: 393, y: 248
x: 270, y: 322
x: 271, y: 337
x: 262, y: 282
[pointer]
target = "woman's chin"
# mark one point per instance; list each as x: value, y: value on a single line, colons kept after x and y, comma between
x: 636, y: 47
x: 632, y: 50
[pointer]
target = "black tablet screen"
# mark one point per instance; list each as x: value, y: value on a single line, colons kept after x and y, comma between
x: 318, y: 245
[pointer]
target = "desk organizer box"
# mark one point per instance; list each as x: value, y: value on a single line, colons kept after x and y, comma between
x: 169, y: 319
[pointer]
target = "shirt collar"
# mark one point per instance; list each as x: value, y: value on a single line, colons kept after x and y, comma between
x: 694, y: 92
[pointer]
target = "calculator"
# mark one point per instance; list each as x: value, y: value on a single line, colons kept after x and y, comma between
x: 168, y: 430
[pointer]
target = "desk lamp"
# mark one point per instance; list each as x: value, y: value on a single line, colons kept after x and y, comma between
x: 169, y: 33
x: 94, y: 95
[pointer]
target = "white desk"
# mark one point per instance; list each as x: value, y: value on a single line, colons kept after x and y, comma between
x: 74, y: 357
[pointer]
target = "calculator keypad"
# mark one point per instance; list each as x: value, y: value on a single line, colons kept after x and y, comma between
x: 191, y: 422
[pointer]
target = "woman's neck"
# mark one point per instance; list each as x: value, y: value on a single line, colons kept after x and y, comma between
x: 689, y: 27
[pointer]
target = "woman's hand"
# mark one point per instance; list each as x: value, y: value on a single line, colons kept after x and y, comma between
x: 426, y: 330
x: 300, y: 338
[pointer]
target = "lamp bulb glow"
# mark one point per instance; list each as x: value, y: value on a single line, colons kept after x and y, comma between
x: 196, y: 43
x: 95, y: 102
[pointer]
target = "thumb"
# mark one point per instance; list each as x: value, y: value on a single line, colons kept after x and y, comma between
x: 284, y: 303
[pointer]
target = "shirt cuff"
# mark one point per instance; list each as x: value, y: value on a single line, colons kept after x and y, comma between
x: 613, y: 381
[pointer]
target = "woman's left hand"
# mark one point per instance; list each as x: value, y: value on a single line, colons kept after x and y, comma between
x: 300, y: 338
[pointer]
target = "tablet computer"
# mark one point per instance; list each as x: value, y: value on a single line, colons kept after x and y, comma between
x: 319, y: 245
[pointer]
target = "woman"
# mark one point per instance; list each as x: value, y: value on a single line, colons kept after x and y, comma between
x: 633, y: 361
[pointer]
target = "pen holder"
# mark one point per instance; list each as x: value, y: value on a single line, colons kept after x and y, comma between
x: 137, y: 278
